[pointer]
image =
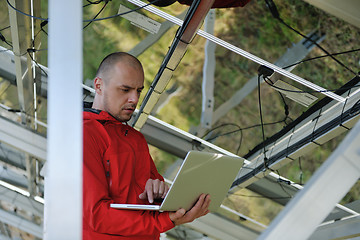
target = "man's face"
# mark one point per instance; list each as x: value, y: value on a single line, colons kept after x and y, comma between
x: 122, y: 90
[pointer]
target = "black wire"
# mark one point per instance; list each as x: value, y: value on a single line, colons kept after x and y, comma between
x: 96, y: 2
x: 120, y: 14
x: 228, y: 133
x: 17, y: 10
x: 273, y: 9
x: 220, y: 126
x: 286, y: 107
x: 5, y: 28
x: 92, y: 3
x: 124, y: 13
x: 261, y: 122
x: 42, y: 24
x: 322, y: 56
x: 301, y: 91
x: 88, y: 20
x: 238, y: 130
x: 282, y: 187
x: 318, y: 45
x: 42, y: 28
x: 37, y: 64
x: 106, y: 2
x: 2, y: 38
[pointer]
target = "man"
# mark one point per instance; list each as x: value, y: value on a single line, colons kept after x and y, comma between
x: 117, y: 165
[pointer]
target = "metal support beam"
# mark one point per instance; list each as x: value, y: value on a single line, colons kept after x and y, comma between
x: 4, y: 232
x: 295, y: 54
x: 21, y: 37
x: 324, y: 190
x: 13, y: 177
x: 347, y: 10
x: 320, y: 126
x: 242, y: 52
x: 347, y: 228
x: 208, y: 74
x: 11, y: 156
x: 193, y: 20
x: 21, y: 201
x: 3, y: 237
x: 63, y: 192
x: 7, y: 71
x: 19, y: 137
x: 31, y: 174
x: 20, y: 70
x: 218, y: 227
x: 21, y: 223
x: 153, y: 38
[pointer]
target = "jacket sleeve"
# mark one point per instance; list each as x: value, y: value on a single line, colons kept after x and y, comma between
x: 97, y: 213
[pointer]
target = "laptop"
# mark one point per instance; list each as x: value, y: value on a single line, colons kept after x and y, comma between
x: 200, y: 172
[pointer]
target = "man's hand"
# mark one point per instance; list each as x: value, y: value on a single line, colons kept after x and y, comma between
x: 154, y: 189
x: 200, y: 209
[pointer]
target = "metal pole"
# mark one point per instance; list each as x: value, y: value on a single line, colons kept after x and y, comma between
x: 208, y: 74
x: 63, y: 177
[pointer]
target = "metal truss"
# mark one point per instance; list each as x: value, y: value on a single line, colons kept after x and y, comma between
x: 170, y: 139
x: 326, y: 188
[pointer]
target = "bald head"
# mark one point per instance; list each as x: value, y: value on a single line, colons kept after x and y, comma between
x: 107, y: 66
x: 118, y: 85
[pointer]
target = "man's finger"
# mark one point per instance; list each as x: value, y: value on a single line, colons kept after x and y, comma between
x: 175, y: 216
x: 149, y: 191
x: 155, y: 188
x: 161, y: 189
x: 166, y: 189
x: 199, y: 208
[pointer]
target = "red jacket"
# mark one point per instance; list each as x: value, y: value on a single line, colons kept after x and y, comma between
x: 117, y: 165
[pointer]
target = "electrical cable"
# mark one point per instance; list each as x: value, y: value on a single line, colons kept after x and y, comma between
x: 261, y: 122
x: 273, y: 9
x: 267, y: 80
x: 5, y: 28
x: 120, y: 14
x: 92, y: 3
x: 32, y: 50
x: 319, y: 46
x: 86, y: 20
x: 28, y: 15
x: 282, y: 187
x: 286, y: 107
x: 96, y: 2
x: 322, y: 56
x: 42, y: 25
x: 264, y: 72
x: 2, y: 38
x: 106, y: 2
x: 238, y: 130
x: 320, y: 131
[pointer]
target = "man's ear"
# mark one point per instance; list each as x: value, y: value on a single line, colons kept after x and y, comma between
x: 98, y: 85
